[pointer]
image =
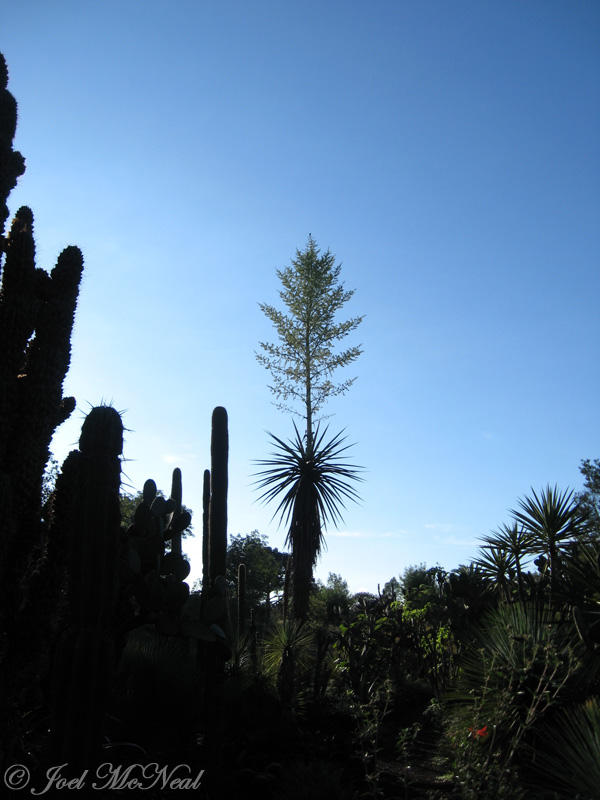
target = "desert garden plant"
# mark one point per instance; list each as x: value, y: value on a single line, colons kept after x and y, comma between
x: 311, y: 481
x: 551, y: 519
x: 521, y: 668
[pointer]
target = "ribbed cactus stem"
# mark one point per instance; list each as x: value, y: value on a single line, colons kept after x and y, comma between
x: 47, y: 358
x: 241, y: 600
x: 219, y: 450
x: 96, y: 541
x: 85, y: 655
x: 205, y: 531
x: 36, y: 320
x: 149, y: 492
x: 31, y: 403
x: 12, y: 162
x: 176, y: 496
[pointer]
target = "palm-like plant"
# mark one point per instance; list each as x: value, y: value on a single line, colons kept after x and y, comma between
x: 286, y: 651
x: 314, y: 481
x: 515, y: 540
x: 498, y: 565
x: 551, y: 519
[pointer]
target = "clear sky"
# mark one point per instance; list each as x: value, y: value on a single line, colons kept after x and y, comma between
x: 448, y: 153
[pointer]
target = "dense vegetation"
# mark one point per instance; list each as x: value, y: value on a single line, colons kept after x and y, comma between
x: 481, y: 681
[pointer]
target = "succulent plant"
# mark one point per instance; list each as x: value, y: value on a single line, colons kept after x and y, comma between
x: 85, y: 655
x: 219, y: 452
x: 36, y: 319
x: 205, y: 531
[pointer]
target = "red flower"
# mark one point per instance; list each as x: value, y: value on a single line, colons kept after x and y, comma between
x: 479, y: 734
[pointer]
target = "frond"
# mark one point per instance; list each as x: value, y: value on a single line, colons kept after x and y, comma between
x: 496, y: 563
x: 551, y: 517
x: 514, y: 538
x: 319, y: 476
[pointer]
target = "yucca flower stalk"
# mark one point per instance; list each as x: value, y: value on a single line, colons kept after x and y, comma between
x: 314, y: 481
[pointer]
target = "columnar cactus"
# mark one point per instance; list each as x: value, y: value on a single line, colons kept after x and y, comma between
x: 36, y: 320
x: 219, y: 452
x: 12, y: 163
x: 215, y: 597
x: 205, y: 531
x: 176, y: 496
x: 85, y: 654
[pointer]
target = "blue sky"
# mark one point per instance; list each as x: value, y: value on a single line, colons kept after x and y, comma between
x: 447, y: 153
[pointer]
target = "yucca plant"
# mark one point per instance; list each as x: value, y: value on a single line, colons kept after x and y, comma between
x: 515, y: 540
x: 314, y: 481
x: 551, y: 519
x: 286, y: 651
x: 498, y: 565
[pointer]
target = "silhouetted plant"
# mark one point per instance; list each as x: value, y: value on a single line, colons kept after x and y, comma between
x: 286, y: 652
x: 551, y: 519
x: 84, y: 661
x: 36, y: 320
x: 314, y: 482
x: 498, y: 565
x: 303, y: 363
x: 519, y: 670
x: 516, y: 541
